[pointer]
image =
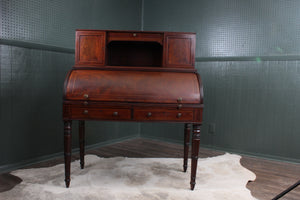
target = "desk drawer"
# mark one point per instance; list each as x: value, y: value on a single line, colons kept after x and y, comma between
x: 100, y: 113
x: 163, y: 115
x: 135, y: 36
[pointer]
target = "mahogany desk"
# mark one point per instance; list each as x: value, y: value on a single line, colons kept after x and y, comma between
x: 133, y: 76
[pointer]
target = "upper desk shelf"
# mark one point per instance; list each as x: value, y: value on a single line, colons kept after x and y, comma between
x: 159, y: 50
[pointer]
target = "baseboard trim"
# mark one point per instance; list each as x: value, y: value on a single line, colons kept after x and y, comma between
x: 234, y: 151
x: 37, y: 46
x: 257, y: 59
x: 25, y: 163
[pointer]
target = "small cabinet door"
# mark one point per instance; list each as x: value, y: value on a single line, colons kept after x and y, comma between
x: 90, y: 48
x: 179, y: 50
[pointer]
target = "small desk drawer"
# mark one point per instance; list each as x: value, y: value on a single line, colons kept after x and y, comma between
x: 135, y: 36
x: 100, y: 113
x: 163, y: 115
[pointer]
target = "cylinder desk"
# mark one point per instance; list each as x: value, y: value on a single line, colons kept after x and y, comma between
x: 136, y: 76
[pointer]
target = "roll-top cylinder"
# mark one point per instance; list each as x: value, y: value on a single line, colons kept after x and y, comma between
x: 133, y: 86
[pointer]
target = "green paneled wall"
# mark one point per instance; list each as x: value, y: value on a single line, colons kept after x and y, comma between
x: 248, y: 55
x: 254, y: 106
x: 36, y: 51
x: 31, y: 102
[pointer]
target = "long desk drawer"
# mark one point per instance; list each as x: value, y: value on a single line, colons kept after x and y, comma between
x: 145, y: 114
x: 100, y: 113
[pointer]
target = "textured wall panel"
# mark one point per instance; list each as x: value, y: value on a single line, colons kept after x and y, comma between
x: 254, y: 106
x: 231, y: 27
x: 54, y: 22
x: 31, y: 98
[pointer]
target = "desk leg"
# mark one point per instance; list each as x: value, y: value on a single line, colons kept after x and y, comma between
x: 81, y: 142
x: 195, y: 152
x: 67, y: 150
x: 187, y: 130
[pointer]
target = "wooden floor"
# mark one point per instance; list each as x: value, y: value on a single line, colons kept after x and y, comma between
x: 272, y: 176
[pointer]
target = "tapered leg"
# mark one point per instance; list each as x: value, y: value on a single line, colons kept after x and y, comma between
x: 67, y: 150
x: 187, y: 130
x: 195, y: 152
x: 81, y: 142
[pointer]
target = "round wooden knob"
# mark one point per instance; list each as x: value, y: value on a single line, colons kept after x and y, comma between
x: 179, y: 115
x: 115, y: 113
x: 149, y: 114
x: 85, y: 112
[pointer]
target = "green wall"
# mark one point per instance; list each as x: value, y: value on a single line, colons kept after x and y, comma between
x: 36, y: 51
x: 248, y: 54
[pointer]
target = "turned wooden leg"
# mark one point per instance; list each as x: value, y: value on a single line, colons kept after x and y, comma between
x: 67, y: 150
x: 81, y: 142
x: 187, y: 130
x: 195, y: 152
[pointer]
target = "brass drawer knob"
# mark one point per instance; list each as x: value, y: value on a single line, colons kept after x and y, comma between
x: 115, y: 113
x: 86, y: 96
x: 179, y: 106
x: 179, y: 100
x: 179, y: 115
x: 85, y: 103
x: 134, y: 34
x: 149, y: 114
x: 85, y: 112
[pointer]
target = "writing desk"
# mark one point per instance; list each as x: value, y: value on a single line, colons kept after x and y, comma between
x: 133, y: 76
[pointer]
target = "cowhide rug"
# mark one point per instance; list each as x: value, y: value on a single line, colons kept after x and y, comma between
x: 119, y: 178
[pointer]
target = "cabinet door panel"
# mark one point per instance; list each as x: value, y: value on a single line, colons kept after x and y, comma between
x: 179, y: 50
x: 90, y: 48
